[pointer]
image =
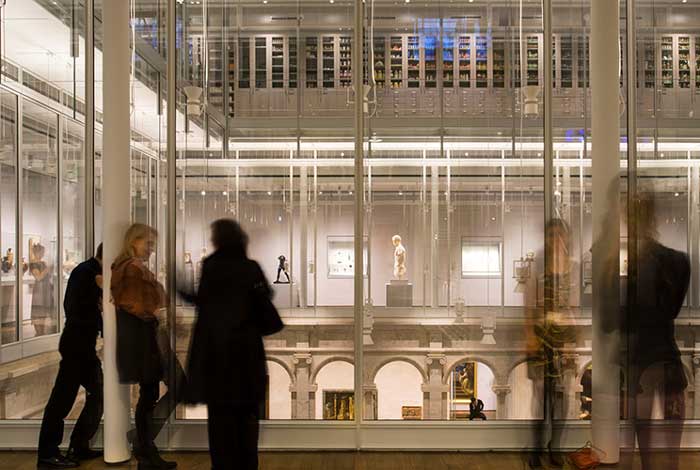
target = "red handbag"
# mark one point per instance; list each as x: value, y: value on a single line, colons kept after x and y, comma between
x: 585, y: 458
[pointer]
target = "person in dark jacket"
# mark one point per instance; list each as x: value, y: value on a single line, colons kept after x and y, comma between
x: 655, y: 300
x: 143, y: 351
x: 79, y: 366
x: 226, y: 364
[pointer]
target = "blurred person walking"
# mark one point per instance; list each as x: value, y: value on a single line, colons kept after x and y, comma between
x: 79, y: 366
x: 656, y: 371
x: 226, y: 365
x: 144, y: 356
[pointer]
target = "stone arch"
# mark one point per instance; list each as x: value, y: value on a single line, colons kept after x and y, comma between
x: 284, y: 365
x: 391, y: 359
x: 497, y: 377
x: 327, y: 361
x: 582, y: 370
x: 513, y: 365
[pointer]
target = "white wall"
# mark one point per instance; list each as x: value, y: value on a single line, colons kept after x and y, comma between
x: 525, y: 400
x: 398, y: 384
x: 280, y: 396
x: 336, y: 375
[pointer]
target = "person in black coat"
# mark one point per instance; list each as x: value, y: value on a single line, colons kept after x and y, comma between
x: 79, y: 366
x: 226, y: 364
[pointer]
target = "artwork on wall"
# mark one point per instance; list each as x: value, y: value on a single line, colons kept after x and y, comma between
x: 481, y: 258
x: 339, y: 405
x: 341, y: 257
x: 464, y: 382
x: 412, y: 413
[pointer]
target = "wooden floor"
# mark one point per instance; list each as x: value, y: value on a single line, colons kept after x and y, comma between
x: 348, y: 461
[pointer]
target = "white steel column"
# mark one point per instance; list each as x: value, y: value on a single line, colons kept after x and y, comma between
x: 116, y: 207
x: 605, y: 89
x: 434, y: 235
x: 303, y: 237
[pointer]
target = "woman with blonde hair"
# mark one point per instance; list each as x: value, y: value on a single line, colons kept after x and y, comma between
x: 141, y: 358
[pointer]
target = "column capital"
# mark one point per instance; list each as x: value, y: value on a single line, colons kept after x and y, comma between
x: 435, y: 359
x: 302, y: 360
x: 501, y: 389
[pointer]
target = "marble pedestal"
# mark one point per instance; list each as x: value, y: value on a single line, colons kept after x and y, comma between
x: 399, y: 294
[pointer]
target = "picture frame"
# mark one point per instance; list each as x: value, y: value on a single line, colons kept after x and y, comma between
x: 339, y: 405
x: 412, y: 413
x: 464, y: 382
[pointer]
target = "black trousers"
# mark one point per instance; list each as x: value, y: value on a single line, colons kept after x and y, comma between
x: 233, y: 436
x: 151, y: 413
x: 73, y: 372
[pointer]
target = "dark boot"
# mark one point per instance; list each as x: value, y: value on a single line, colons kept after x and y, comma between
x: 80, y: 454
x: 150, y: 459
x: 57, y: 461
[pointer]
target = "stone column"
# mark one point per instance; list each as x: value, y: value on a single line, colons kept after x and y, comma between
x: 501, y: 392
x: 435, y: 390
x: 302, y: 390
x: 370, y: 405
x: 696, y: 383
x: 605, y: 98
x: 117, y: 212
x: 570, y: 388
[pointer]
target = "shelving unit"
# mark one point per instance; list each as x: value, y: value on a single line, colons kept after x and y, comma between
x: 413, y: 57
x: 583, y: 64
x: 396, y: 61
x: 277, y: 62
x: 448, y: 61
x: 345, y: 61
x: 311, y: 51
x: 216, y: 75
x: 328, y: 62
x: 465, y: 62
x: 566, y: 57
x: 517, y: 66
x: 667, y: 61
x: 430, y: 49
x: 260, y: 63
x: 697, y: 62
x: 684, y: 61
x: 554, y: 62
x: 649, y: 64
x: 533, y: 61
x: 482, y: 62
x: 244, y: 63
x: 293, y: 59
x: 380, y: 61
x: 231, y: 81
x: 499, y: 63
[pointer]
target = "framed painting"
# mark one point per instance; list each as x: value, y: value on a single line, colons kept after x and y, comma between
x: 464, y: 387
x: 412, y: 413
x: 339, y: 405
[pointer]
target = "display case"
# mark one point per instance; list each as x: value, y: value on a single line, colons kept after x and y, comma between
x: 328, y: 61
x: 533, y: 61
x: 430, y: 51
x: 311, y: 69
x: 260, y: 62
x: 649, y: 60
x: 448, y: 61
x: 397, y: 61
x: 293, y: 62
x: 379, y: 61
x: 697, y: 62
x: 278, y: 55
x: 498, y: 63
x: 244, y: 63
x: 465, y: 62
x: 414, y: 75
x: 667, y: 61
x: 566, y: 55
x: 684, y: 61
x: 482, y: 61
x: 345, y: 70
x: 583, y: 63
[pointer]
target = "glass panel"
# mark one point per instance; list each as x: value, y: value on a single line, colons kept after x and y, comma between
x: 9, y: 332
x: 40, y: 210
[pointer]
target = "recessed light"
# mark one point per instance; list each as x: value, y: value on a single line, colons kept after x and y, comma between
x: 678, y: 194
x: 265, y: 2
x: 342, y: 154
x: 407, y: 1
x: 204, y: 193
x: 225, y: 193
x: 331, y: 1
x: 684, y: 1
x: 350, y: 193
x: 269, y: 193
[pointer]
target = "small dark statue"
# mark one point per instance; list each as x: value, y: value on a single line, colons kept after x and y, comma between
x: 282, y: 268
x: 476, y: 410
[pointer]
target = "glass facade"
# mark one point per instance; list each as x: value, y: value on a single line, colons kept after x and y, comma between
x: 455, y: 164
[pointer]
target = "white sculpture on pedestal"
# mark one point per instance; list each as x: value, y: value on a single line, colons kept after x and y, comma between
x: 399, y: 258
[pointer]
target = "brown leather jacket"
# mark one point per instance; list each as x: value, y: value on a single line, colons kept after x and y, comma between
x: 136, y: 290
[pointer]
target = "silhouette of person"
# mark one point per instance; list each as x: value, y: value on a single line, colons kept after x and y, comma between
x: 282, y: 269
x: 655, y: 299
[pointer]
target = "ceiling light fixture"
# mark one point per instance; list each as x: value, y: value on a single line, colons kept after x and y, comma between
x: 331, y: 1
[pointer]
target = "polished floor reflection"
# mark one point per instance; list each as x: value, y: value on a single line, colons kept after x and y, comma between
x: 352, y: 461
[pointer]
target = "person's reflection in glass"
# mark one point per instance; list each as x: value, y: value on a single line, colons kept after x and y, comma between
x: 662, y: 280
x: 547, y: 336
x: 43, y: 306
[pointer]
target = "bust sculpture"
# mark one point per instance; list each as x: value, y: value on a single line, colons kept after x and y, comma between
x: 399, y: 258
